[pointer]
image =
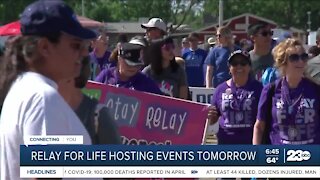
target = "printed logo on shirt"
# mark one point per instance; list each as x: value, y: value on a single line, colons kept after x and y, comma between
x: 194, y: 60
x: 237, y: 114
x: 166, y: 88
x: 300, y: 129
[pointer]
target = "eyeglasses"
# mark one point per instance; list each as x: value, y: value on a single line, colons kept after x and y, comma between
x: 266, y: 33
x: 296, y: 57
x: 241, y: 63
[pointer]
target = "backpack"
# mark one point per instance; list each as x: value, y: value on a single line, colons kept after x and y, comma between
x: 266, y: 133
x: 269, y: 75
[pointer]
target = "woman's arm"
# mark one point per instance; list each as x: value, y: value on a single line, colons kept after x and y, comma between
x: 258, y: 130
x: 183, y: 92
x: 213, y: 115
x: 209, y: 76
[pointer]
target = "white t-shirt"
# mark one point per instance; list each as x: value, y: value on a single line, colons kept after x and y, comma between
x: 33, y: 106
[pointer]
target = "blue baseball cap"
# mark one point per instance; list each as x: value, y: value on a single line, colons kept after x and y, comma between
x: 44, y: 17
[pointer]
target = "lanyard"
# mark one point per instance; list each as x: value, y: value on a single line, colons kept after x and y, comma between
x: 239, y: 93
x: 292, y: 104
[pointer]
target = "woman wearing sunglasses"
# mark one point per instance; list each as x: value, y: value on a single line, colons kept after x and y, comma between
x: 235, y: 102
x: 292, y: 100
x: 163, y: 69
x: 216, y: 65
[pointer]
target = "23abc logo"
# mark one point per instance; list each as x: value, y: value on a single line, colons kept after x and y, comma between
x: 298, y: 155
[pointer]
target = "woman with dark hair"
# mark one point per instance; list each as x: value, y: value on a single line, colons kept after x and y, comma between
x: 170, y: 77
x: 50, y: 49
x: 236, y: 101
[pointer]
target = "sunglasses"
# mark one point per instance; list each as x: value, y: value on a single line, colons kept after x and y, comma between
x: 151, y: 29
x: 266, y: 33
x: 296, y: 57
x: 236, y: 63
x: 168, y: 47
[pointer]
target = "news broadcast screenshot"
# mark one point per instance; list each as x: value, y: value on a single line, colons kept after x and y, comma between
x: 149, y: 89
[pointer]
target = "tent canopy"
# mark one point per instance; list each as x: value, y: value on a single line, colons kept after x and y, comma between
x: 13, y: 28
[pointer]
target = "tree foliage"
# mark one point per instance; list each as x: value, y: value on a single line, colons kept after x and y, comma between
x: 11, y: 9
x: 284, y: 12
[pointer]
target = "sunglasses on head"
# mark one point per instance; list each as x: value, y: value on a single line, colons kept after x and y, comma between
x: 266, y: 33
x: 297, y: 57
x: 241, y: 63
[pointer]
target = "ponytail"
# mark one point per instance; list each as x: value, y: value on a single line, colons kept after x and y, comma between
x: 19, y: 50
x: 12, y: 65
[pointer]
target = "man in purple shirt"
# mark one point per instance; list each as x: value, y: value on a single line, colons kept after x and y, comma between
x: 128, y: 74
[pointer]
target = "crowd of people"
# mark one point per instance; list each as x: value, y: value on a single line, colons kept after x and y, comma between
x: 265, y: 93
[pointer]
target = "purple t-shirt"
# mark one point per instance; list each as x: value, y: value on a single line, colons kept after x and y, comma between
x: 103, y: 61
x: 295, y: 112
x: 139, y: 82
x: 238, y: 111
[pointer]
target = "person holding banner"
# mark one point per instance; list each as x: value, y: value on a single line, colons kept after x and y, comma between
x: 164, y: 69
x: 50, y: 49
x: 128, y: 74
x: 235, y: 102
x: 293, y: 101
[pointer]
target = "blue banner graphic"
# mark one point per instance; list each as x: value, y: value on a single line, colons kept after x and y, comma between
x: 122, y: 155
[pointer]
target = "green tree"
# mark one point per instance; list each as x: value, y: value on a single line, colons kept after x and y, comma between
x: 123, y: 10
x: 284, y: 12
x: 11, y: 9
x: 184, y: 11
